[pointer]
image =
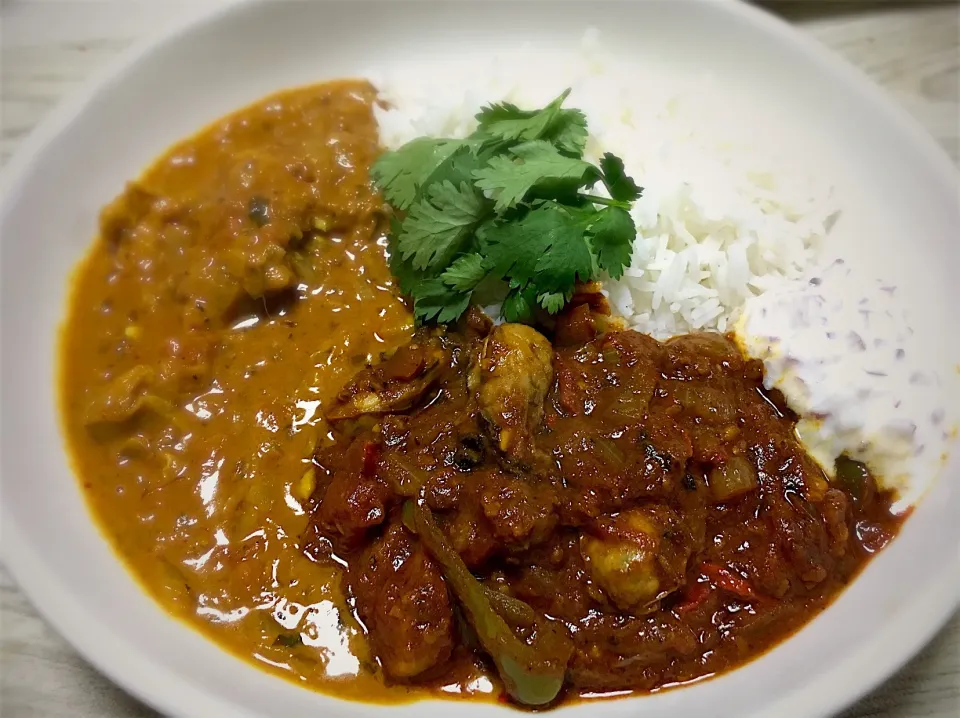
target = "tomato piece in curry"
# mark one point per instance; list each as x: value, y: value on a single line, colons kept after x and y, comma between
x: 250, y: 408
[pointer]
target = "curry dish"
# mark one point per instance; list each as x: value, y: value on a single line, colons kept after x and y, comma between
x: 385, y: 512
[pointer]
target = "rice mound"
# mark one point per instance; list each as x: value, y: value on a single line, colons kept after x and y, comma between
x: 723, y: 215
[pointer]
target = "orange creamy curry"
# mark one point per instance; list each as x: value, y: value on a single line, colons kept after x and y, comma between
x: 170, y: 329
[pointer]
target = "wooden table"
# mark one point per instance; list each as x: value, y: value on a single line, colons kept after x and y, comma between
x: 49, y: 47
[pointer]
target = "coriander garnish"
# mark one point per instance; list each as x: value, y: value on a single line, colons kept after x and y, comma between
x: 510, y: 203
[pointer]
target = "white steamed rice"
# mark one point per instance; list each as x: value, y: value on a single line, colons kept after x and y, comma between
x: 722, y: 215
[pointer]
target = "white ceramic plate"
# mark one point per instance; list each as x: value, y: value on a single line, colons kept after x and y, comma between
x: 902, y: 209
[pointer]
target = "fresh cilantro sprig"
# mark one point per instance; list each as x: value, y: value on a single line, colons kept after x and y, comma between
x: 509, y: 208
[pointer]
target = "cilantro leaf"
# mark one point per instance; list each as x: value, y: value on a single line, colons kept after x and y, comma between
x: 438, y: 227
x: 432, y: 299
x: 519, y: 305
x: 611, y: 235
x: 566, y: 261
x: 407, y: 277
x: 466, y: 272
x: 505, y: 213
x: 457, y: 169
x: 435, y: 301
x: 547, y: 245
x: 537, y: 163
x: 568, y: 132
x: 553, y: 301
x: 496, y: 178
x: 506, y: 121
x: 620, y: 185
x: 515, y: 248
x: 400, y: 173
x: 566, y: 129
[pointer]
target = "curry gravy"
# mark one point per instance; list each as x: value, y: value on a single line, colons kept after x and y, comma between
x: 192, y: 390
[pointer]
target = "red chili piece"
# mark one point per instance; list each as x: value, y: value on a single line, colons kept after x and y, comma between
x: 693, y: 597
x: 727, y: 580
x: 371, y: 457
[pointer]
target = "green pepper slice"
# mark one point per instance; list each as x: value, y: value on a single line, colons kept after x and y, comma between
x: 533, y: 673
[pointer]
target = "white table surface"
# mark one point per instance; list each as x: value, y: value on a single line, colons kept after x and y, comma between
x: 48, y: 47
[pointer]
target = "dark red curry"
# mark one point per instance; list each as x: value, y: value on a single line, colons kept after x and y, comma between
x: 650, y: 501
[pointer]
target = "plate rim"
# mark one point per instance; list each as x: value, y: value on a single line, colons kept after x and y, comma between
x: 117, y: 657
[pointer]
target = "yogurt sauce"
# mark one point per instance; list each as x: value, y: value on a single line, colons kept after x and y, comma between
x: 840, y: 348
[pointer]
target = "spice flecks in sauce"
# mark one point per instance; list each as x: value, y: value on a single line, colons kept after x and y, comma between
x: 180, y: 329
